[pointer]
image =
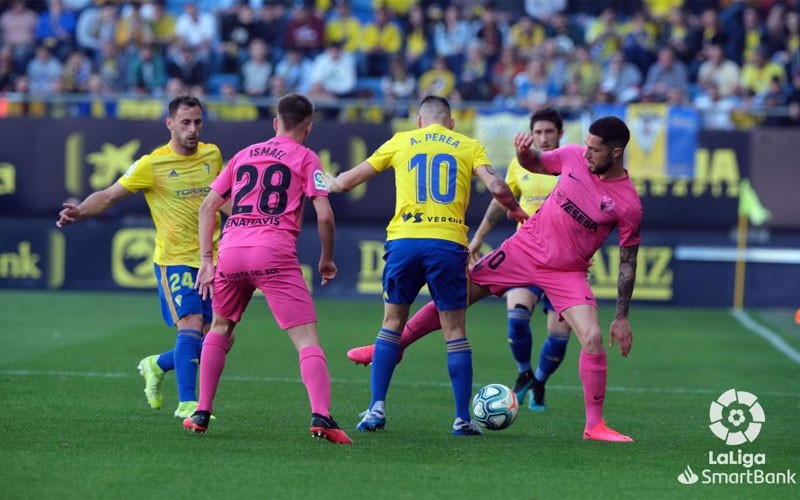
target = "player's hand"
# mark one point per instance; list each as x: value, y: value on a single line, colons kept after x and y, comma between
x: 621, y: 332
x: 328, y: 271
x: 523, y: 141
x: 205, y: 279
x: 518, y: 214
x: 333, y: 184
x: 68, y: 215
x: 475, y: 253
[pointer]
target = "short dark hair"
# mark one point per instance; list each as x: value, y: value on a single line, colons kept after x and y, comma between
x: 611, y: 130
x: 436, y: 99
x: 184, y: 100
x: 294, y: 110
x: 548, y: 115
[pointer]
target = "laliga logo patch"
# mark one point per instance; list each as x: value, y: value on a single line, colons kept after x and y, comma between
x: 319, y: 181
x: 736, y: 417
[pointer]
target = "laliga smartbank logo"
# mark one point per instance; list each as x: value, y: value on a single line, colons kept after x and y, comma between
x: 736, y: 418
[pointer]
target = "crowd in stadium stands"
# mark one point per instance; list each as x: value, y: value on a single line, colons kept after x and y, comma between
x: 718, y: 55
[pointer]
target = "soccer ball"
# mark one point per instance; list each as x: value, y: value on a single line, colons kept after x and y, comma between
x: 495, y: 407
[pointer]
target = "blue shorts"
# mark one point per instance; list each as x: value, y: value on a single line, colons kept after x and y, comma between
x: 541, y: 298
x: 177, y: 294
x: 413, y: 262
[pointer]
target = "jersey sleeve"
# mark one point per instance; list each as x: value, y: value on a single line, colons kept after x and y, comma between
x: 630, y: 227
x: 314, y: 181
x: 223, y: 184
x: 553, y: 160
x: 381, y: 159
x: 479, y: 157
x: 139, y: 176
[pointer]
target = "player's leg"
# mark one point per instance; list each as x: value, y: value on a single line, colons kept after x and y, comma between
x: 552, y: 355
x: 519, y: 305
x: 593, y: 370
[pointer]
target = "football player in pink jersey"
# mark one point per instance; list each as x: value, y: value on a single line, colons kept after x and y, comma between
x: 267, y: 183
x: 554, y: 248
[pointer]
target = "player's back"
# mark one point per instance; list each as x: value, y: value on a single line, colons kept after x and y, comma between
x: 433, y: 176
x: 267, y: 183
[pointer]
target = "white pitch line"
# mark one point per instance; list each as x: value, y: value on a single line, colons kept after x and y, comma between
x: 365, y: 381
x: 766, y: 334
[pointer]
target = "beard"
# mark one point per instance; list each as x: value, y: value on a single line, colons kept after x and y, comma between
x: 601, y: 168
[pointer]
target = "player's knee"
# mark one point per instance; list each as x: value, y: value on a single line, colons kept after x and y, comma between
x: 191, y: 322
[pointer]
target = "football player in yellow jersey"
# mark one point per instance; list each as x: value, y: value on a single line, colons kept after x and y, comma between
x: 547, y: 128
x: 175, y: 179
x: 427, y: 243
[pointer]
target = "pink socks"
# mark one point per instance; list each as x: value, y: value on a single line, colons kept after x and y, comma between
x: 424, y: 322
x: 212, y: 362
x: 593, y: 369
x: 314, y: 372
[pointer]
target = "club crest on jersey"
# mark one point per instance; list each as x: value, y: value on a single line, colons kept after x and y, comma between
x: 606, y: 204
x: 559, y: 196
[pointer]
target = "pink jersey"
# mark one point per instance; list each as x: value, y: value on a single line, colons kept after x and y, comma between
x: 576, y: 218
x: 268, y: 183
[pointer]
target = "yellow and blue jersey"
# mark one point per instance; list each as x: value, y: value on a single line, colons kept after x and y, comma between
x: 174, y: 187
x: 433, y: 178
x: 529, y: 188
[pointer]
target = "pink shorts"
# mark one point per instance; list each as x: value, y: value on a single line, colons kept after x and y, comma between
x: 241, y: 270
x: 509, y: 266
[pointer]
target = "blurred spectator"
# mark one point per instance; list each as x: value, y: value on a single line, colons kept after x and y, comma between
x: 680, y: 36
x: 257, y: 70
x: 791, y: 58
x: 147, y: 72
x: 96, y: 25
x: 76, y: 5
x: 526, y: 35
x: 238, y: 29
x: 758, y: 72
x: 774, y: 98
x: 398, y: 84
x: 438, y: 80
x: 294, y: 70
x: 75, y: 73
x: 505, y: 70
x: 132, y: 30
x: 187, y: 68
x: 534, y: 88
x: 197, y: 30
x: 793, y: 102
x: 719, y: 71
x: 272, y: 27
x: 43, y: 72
x: 112, y: 66
x: 473, y: 81
x: 305, y: 32
x: 344, y: 27
x: 277, y: 86
x: 18, y: 26
x: 666, y: 77
x: 603, y: 36
x: 661, y: 10
x: 162, y: 23
x: 96, y: 88
x: 544, y: 10
x: 572, y: 97
x: 620, y: 80
x: 401, y: 7
x: 586, y: 69
x: 418, y: 51
x: 639, y: 41
x: 380, y: 41
x: 773, y: 37
x: 451, y: 37
x: 56, y: 30
x: 7, y: 72
x: 489, y: 35
x: 333, y: 73
x: 751, y: 34
x: 564, y: 32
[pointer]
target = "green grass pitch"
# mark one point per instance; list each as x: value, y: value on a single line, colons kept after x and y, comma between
x: 74, y: 422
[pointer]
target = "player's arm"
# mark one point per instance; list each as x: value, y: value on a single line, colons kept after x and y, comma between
x: 208, y: 219
x: 94, y: 204
x: 501, y: 192
x: 620, y: 327
x: 326, y: 229
x: 348, y: 180
x: 495, y: 212
x: 527, y: 157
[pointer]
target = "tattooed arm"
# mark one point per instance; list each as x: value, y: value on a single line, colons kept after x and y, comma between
x: 494, y: 214
x: 501, y: 192
x: 528, y: 158
x: 620, y: 328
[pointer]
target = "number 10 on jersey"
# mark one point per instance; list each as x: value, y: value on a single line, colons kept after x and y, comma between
x: 443, y: 171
